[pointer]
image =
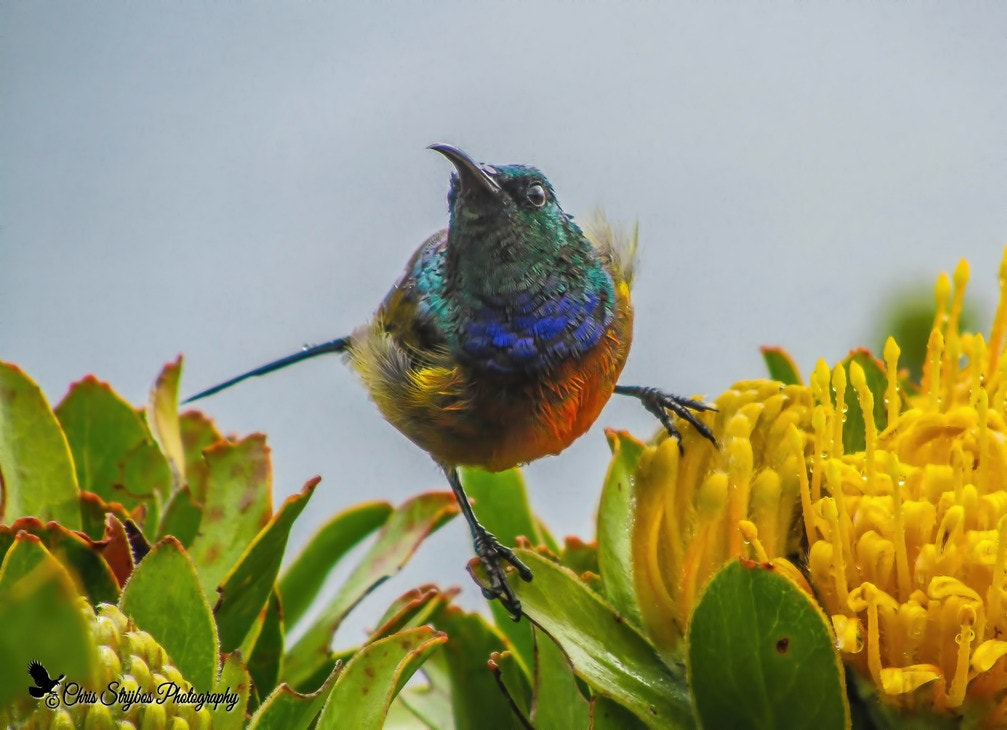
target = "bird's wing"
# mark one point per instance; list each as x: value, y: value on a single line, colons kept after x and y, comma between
x: 412, y: 312
x: 38, y: 673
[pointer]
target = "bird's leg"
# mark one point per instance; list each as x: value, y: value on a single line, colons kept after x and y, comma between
x: 490, y: 552
x: 659, y: 403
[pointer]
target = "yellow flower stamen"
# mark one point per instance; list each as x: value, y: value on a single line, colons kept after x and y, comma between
x: 942, y: 293
x: 739, y: 472
x: 901, y: 555
x: 977, y: 365
x: 831, y: 515
x: 982, y: 409
x: 819, y: 422
x: 866, y: 400
x: 796, y: 442
x: 935, y: 352
x: 869, y: 594
x: 956, y: 695
x: 750, y: 533
x: 839, y: 416
x: 996, y: 343
x: 952, y: 344
x: 892, y: 404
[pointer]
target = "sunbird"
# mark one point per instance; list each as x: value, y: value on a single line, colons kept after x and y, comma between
x: 503, y: 339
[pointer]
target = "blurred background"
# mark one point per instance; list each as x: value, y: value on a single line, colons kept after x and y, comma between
x: 230, y: 181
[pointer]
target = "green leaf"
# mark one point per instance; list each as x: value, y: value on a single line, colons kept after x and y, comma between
x: 760, y: 655
x: 233, y: 680
x: 398, y: 539
x: 41, y: 620
x: 501, y: 504
x: 303, y: 578
x: 285, y: 709
x: 181, y: 518
x: 365, y: 689
x: 94, y: 511
x: 238, y: 505
x: 113, y: 452
x: 580, y: 557
x: 246, y: 588
x: 38, y: 475
x: 615, y: 514
x: 198, y: 434
x: 781, y: 365
x: 162, y: 415
x: 475, y: 695
x: 264, y: 663
x: 558, y: 701
x: 164, y: 598
x: 80, y: 557
x: 609, y: 715
x: 606, y: 651
x: 877, y: 382
x: 430, y: 702
x: 411, y: 609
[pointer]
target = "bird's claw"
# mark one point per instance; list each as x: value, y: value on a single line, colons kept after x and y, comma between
x: 492, y: 555
x: 659, y: 402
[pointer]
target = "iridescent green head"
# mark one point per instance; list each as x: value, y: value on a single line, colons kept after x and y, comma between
x: 505, y: 211
x: 523, y: 287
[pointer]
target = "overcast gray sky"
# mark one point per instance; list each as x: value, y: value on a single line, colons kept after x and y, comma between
x: 230, y: 180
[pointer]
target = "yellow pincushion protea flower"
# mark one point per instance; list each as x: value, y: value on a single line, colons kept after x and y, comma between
x: 906, y: 538
x: 698, y: 508
x: 908, y: 548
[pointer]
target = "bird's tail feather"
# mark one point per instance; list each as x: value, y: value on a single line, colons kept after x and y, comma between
x: 339, y: 345
x: 615, y: 243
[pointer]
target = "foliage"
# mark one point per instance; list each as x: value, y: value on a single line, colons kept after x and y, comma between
x: 142, y: 548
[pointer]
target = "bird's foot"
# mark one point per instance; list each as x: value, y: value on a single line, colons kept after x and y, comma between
x: 658, y: 402
x: 493, y: 555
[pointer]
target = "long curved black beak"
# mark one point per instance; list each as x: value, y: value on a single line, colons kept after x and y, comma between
x: 470, y: 172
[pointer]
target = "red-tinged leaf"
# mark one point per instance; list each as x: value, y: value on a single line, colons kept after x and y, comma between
x: 238, y: 505
x: 113, y: 451
x: 116, y: 550
x: 38, y: 478
x: 365, y: 689
x: 413, y: 608
x: 198, y: 434
x: 182, y: 518
x: 246, y: 588
x: 233, y: 680
x: 164, y: 598
x: 80, y: 556
x: 579, y: 556
x: 162, y: 416
x: 41, y: 619
x: 286, y: 709
x: 94, y: 511
x: 474, y: 691
x: 781, y: 365
x: 303, y: 578
x: 398, y: 539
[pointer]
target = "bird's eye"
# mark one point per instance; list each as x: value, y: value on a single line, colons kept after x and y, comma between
x: 536, y: 195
